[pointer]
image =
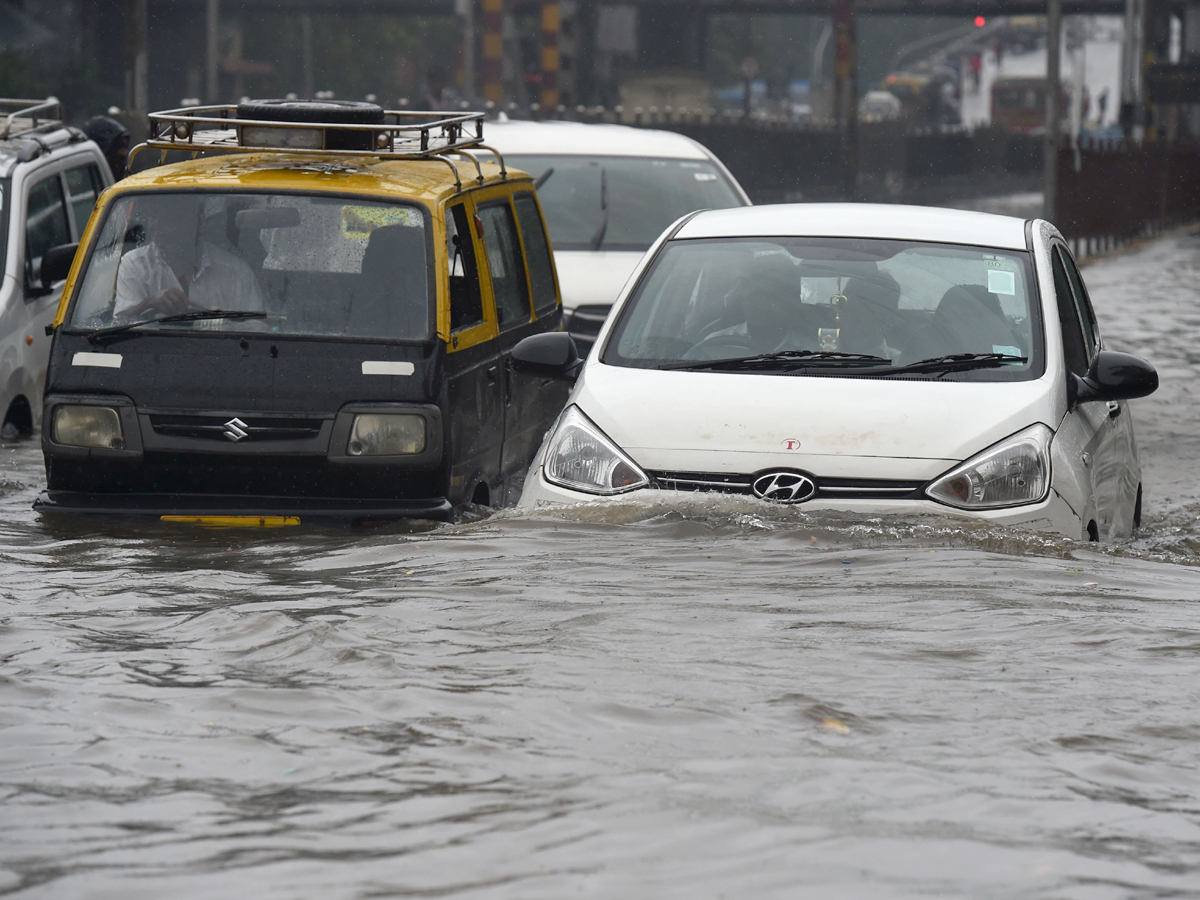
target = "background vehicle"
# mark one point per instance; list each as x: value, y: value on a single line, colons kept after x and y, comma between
x: 1019, y: 103
x: 608, y: 192
x: 753, y: 351
x: 296, y: 334
x: 50, y: 178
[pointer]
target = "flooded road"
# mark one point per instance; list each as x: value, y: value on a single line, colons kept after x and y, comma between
x: 733, y: 701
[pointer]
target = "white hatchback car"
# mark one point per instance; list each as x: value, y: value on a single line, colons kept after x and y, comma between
x: 878, y: 359
x: 607, y: 192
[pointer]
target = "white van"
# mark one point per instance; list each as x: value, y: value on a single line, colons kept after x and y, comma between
x: 608, y: 191
x: 875, y: 359
x: 50, y: 178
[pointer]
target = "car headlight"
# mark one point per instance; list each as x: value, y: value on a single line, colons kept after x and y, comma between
x: 386, y: 434
x: 1013, y: 472
x: 88, y: 426
x: 581, y: 457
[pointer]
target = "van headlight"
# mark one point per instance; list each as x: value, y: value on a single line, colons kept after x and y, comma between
x: 581, y: 457
x: 386, y: 434
x: 88, y: 426
x: 1013, y: 472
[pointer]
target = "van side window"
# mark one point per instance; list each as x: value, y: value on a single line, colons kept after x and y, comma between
x: 466, y: 305
x: 1074, y: 347
x: 84, y: 185
x: 537, y: 252
x: 45, y: 223
x: 504, y: 260
x: 1091, y: 331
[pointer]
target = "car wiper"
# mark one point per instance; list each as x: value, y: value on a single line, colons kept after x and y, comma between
x: 785, y: 359
x: 598, y: 237
x: 101, y: 334
x: 957, y: 362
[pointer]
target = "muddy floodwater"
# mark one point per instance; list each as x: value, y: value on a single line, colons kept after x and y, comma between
x: 732, y: 700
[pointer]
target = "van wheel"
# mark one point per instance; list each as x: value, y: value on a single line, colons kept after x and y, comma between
x: 481, y: 496
x: 1093, y: 532
x: 1137, y: 509
x: 18, y: 421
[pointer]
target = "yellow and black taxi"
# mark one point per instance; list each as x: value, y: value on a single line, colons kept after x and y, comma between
x: 313, y: 317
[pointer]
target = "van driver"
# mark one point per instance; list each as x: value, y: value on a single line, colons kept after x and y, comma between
x: 178, y: 270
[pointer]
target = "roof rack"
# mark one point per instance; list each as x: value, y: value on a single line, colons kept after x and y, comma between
x: 28, y: 115
x: 404, y: 134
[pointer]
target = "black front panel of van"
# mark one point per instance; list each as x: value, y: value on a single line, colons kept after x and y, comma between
x: 227, y: 415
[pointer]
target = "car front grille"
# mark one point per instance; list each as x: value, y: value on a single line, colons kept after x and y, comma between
x: 218, y: 428
x: 827, y: 488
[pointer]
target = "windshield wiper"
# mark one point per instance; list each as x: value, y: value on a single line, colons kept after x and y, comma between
x: 957, y: 362
x: 101, y: 333
x: 787, y: 359
x: 598, y: 237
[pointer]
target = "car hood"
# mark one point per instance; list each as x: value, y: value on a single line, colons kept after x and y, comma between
x: 739, y: 423
x: 593, y: 279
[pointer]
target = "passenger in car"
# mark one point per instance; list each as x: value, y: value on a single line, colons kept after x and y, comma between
x: 971, y: 320
x: 178, y: 269
x: 391, y: 297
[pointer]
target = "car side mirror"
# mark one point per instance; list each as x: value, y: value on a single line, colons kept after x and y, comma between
x: 56, y: 263
x: 1115, y: 376
x: 550, y: 355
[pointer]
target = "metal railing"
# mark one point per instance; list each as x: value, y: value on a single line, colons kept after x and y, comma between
x: 26, y: 115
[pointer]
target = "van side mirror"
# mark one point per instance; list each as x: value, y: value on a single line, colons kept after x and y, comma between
x: 56, y: 263
x: 550, y: 355
x: 1115, y: 376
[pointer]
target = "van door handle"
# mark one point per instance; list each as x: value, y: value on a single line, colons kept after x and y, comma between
x: 1114, y: 409
x: 493, y: 373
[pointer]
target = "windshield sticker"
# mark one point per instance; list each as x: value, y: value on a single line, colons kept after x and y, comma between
x: 360, y: 221
x: 1006, y: 349
x: 1001, y: 282
x: 704, y: 176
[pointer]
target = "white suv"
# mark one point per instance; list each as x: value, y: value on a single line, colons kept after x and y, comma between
x: 50, y: 178
x: 607, y: 192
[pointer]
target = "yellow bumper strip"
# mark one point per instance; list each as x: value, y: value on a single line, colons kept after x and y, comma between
x: 235, y: 521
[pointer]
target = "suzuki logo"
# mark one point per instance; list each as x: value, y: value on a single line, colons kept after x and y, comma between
x: 784, y: 487
x: 236, y: 430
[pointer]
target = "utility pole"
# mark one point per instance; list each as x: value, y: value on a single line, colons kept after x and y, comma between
x: 212, y: 22
x: 137, y: 57
x: 845, y: 96
x: 1053, y: 113
x: 551, y: 27
x: 306, y: 55
x: 493, y: 50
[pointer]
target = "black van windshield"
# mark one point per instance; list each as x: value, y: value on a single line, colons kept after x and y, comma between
x: 309, y: 264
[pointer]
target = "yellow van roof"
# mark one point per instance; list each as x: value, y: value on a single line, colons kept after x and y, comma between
x: 430, y: 180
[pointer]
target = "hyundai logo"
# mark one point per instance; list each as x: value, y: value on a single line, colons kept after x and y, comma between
x: 784, y: 487
x: 236, y: 430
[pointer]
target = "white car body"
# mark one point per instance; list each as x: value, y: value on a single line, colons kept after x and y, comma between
x: 591, y: 280
x: 741, y: 423
x: 25, y: 309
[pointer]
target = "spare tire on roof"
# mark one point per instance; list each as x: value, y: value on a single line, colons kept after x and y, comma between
x: 336, y: 112
x: 329, y: 112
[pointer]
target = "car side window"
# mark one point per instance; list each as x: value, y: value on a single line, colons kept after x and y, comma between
x: 45, y: 224
x: 466, y: 303
x: 537, y: 252
x: 1074, y: 345
x: 504, y: 260
x: 84, y: 185
x: 1091, y: 331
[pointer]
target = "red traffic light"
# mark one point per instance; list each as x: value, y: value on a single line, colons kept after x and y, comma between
x: 980, y: 21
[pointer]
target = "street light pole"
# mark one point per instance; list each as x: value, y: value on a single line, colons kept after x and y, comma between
x: 1053, y: 113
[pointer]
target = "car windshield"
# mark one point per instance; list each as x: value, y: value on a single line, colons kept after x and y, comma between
x: 284, y: 263
x: 621, y: 202
x: 897, y: 302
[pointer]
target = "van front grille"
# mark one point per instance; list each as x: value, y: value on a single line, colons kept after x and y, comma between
x: 219, y: 428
